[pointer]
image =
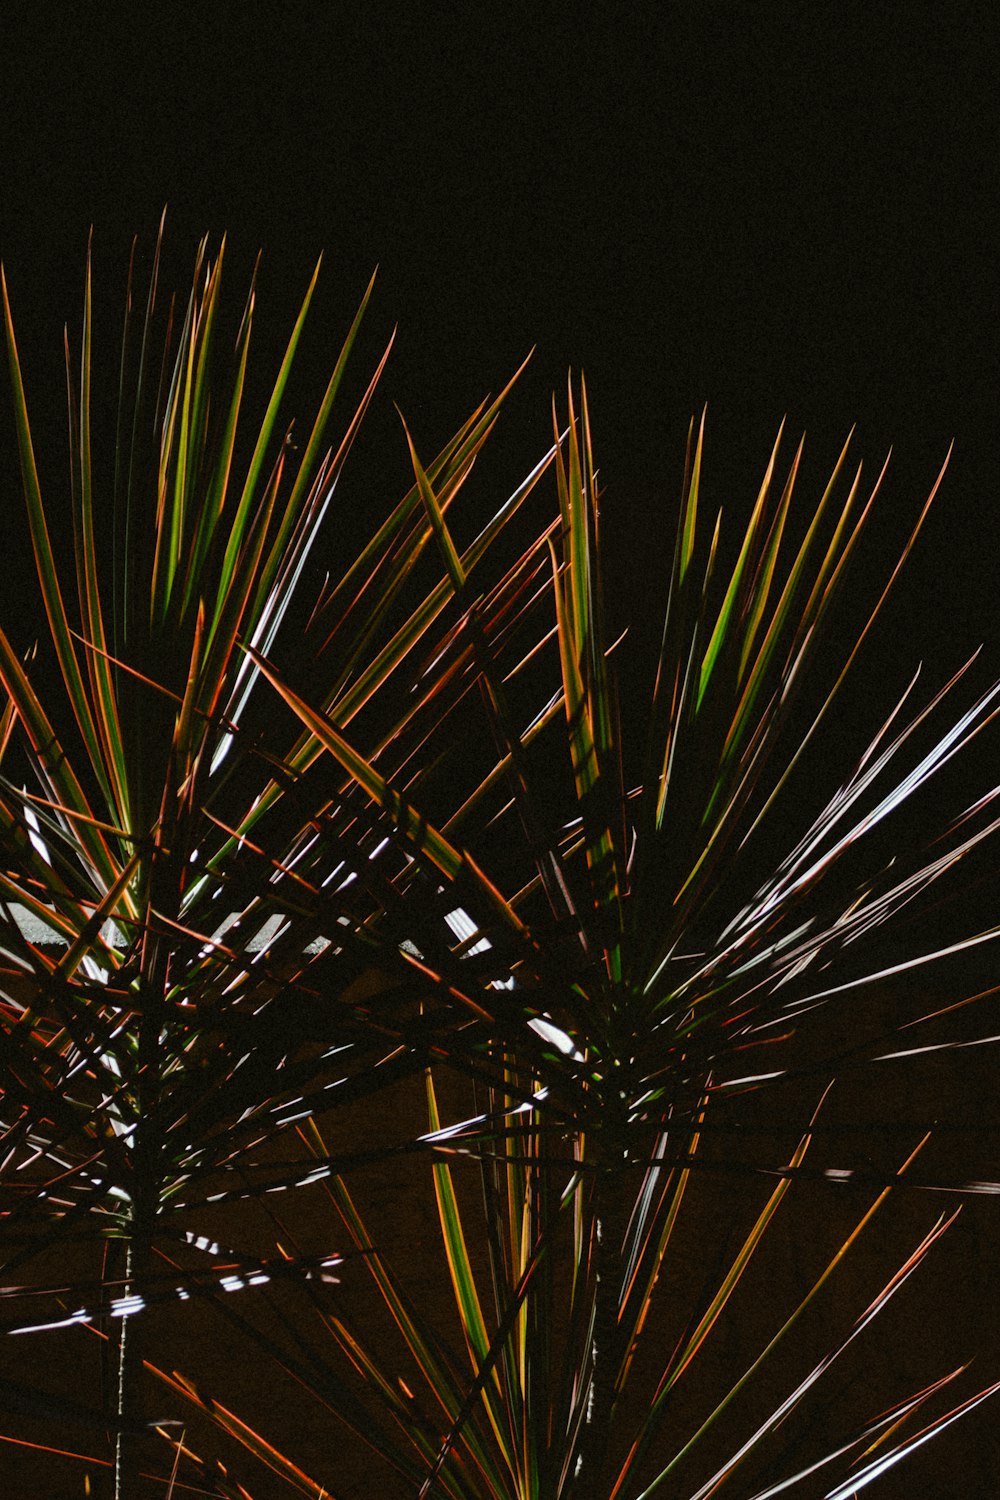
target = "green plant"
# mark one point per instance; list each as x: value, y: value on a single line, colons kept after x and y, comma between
x: 434, y: 860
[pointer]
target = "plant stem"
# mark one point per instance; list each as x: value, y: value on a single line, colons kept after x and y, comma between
x: 609, y: 1220
x: 131, y: 1350
x: 145, y: 1193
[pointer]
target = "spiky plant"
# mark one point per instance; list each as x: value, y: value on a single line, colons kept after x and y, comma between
x: 456, y: 872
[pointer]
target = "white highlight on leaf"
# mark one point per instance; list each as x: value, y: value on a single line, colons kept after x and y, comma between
x: 549, y: 1032
x: 124, y: 1307
x: 202, y: 1242
x: 78, y: 1317
x: 464, y: 928
x: 37, y: 842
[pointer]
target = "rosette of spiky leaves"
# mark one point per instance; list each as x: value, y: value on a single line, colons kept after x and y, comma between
x: 174, y: 862
x: 618, y: 994
x: 593, y: 964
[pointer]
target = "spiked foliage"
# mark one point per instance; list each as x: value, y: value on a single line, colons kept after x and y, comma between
x: 286, y: 900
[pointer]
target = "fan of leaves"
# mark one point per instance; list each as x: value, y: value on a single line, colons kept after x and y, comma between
x: 441, y: 800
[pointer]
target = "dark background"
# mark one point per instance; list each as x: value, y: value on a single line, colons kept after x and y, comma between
x: 774, y: 208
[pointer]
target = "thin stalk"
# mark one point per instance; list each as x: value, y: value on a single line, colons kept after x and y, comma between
x: 146, y: 1189
x: 131, y: 1354
x: 609, y: 1226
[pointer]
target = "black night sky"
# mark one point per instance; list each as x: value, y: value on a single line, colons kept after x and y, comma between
x: 777, y: 209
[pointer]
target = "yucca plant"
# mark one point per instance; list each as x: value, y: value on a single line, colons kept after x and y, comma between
x: 141, y: 1056
x: 431, y: 844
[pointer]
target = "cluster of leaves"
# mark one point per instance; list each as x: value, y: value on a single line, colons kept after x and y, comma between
x: 245, y: 910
